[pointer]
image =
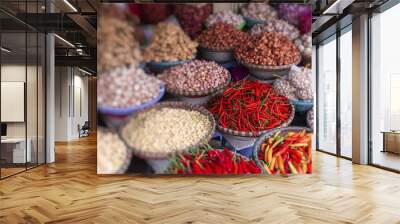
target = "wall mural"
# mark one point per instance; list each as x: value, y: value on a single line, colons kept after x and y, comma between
x: 205, y: 89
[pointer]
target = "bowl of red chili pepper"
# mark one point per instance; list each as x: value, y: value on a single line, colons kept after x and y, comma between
x: 250, y: 108
x: 208, y: 161
x: 284, y: 151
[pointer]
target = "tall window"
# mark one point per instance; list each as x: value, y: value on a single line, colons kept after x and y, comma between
x: 385, y: 89
x: 327, y: 96
x: 346, y: 92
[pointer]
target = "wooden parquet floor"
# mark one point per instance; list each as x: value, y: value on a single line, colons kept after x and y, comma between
x: 69, y: 191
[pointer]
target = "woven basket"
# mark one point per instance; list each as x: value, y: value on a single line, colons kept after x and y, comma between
x: 256, y: 134
x: 207, y: 92
x: 162, y: 154
x: 261, y: 139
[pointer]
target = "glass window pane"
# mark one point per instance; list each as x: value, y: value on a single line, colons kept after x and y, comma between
x: 385, y: 114
x: 327, y: 97
x: 346, y: 94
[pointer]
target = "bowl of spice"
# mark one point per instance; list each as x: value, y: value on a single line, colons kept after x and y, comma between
x: 268, y: 55
x: 255, y: 13
x: 166, y: 129
x: 284, y: 151
x: 209, y: 161
x: 250, y: 108
x: 276, y: 26
x: 227, y: 17
x: 125, y: 90
x: 297, y: 87
x: 113, y: 157
x: 218, y: 42
x: 168, y: 47
x: 195, y: 78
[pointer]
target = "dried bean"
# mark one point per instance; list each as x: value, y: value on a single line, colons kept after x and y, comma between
x: 221, y: 36
x: 170, y: 43
x: 259, y: 11
x: 196, y: 75
x: 112, y: 153
x: 227, y: 17
x: 166, y: 129
x: 126, y: 87
x: 277, y: 26
x: 270, y: 49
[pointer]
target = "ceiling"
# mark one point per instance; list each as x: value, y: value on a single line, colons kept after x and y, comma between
x: 73, y: 20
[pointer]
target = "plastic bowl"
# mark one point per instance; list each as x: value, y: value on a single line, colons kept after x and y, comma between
x: 251, y: 22
x: 158, y: 67
x: 261, y: 139
x: 216, y: 55
x: 129, y: 110
x: 302, y: 106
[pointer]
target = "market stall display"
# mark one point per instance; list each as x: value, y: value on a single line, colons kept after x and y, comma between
x: 195, y: 78
x: 268, y: 55
x: 169, y: 46
x: 255, y: 13
x: 117, y: 44
x: 191, y: 16
x: 185, y: 90
x: 285, y: 151
x: 167, y: 128
x: 297, y: 87
x: 125, y: 90
x: 112, y: 154
x: 227, y: 17
x: 249, y: 108
x: 218, y: 42
x: 207, y: 160
x: 276, y: 26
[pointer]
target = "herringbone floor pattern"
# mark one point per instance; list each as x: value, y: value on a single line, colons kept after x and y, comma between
x: 69, y: 191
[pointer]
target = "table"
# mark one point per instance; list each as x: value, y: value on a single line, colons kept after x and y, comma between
x: 391, y: 141
x: 18, y: 150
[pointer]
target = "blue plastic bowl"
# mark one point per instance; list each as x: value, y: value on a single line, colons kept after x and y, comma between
x: 130, y: 110
x: 251, y: 22
x: 302, y: 106
x: 158, y: 67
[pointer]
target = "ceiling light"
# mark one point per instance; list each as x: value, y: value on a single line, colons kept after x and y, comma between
x: 5, y: 50
x: 326, y: 11
x: 65, y: 41
x: 84, y: 71
x: 70, y: 5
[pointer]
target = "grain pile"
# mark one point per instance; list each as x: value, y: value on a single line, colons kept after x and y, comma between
x: 166, y: 129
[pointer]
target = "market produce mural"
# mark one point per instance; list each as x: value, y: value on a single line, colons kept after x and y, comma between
x: 205, y: 89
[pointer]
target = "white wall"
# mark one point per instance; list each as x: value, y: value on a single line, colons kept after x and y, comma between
x: 70, y: 84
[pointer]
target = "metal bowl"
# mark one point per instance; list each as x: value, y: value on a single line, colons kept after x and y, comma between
x: 158, y: 67
x: 264, y: 72
x: 219, y: 56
